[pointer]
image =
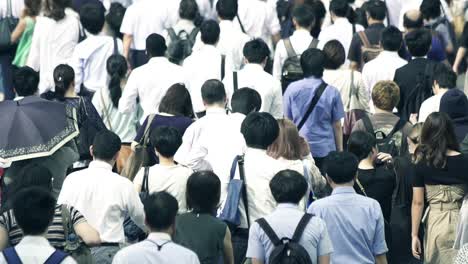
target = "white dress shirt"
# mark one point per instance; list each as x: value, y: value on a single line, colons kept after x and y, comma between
x: 53, y: 43
x: 17, y: 7
x: 146, y: 252
x: 150, y: 83
x: 89, y: 61
x: 429, y: 106
x: 269, y: 88
x: 35, y: 250
x: 104, y: 198
x: 172, y: 179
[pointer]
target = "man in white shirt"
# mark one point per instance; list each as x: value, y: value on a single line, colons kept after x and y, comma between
x: 161, y: 210
x: 188, y: 13
x: 103, y: 197
x: 383, y: 67
x: 444, y: 79
x: 151, y: 81
x: 90, y: 56
x: 253, y: 75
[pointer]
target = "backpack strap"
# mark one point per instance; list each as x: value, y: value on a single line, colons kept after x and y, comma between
x: 301, y: 227
x: 269, y: 232
x: 172, y: 34
x: 193, y: 34
x: 289, y: 48
x: 240, y: 161
x: 144, y: 184
x: 223, y: 66
x: 313, y: 44
x: 313, y: 103
x: 240, y: 24
x: 116, y: 48
x: 368, y: 124
x: 11, y: 256
x: 235, y: 81
x: 364, y: 39
x: 56, y: 257
x: 398, y: 126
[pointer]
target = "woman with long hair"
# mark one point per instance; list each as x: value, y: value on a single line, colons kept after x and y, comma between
x: 440, y: 179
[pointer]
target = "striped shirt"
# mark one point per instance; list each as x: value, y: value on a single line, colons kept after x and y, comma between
x: 55, y: 233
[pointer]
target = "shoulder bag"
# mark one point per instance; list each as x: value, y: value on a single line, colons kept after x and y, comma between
x: 313, y: 103
x: 73, y: 244
x: 7, y: 25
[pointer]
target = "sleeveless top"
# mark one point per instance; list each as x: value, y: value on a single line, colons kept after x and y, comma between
x: 24, y: 44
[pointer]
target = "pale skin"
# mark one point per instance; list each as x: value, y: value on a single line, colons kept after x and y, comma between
x: 19, y: 29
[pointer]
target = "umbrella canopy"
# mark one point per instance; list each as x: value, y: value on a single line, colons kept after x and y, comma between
x: 34, y: 127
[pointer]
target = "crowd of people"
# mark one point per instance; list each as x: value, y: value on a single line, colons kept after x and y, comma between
x: 236, y: 131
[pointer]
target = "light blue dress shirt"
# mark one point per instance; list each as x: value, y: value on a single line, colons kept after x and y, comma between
x: 355, y: 224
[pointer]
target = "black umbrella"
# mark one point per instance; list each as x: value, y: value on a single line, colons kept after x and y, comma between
x: 34, y: 127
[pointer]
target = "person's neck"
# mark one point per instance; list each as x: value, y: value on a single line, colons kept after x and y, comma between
x: 215, y: 106
x: 373, y: 22
x: 165, y: 231
x: 299, y: 28
x: 166, y: 161
x: 366, y: 164
x: 381, y: 111
x: 442, y: 91
x: 70, y: 93
x: 110, y: 162
x: 348, y: 184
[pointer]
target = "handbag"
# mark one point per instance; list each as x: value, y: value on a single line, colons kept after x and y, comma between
x: 88, y: 131
x: 353, y: 115
x: 139, y: 157
x: 7, y: 25
x: 73, y: 245
x: 131, y: 230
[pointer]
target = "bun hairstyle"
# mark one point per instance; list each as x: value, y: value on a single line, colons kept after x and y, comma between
x: 64, y: 76
x: 117, y: 69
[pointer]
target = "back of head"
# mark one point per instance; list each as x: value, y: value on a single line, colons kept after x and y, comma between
x: 341, y: 167
x: 106, y: 145
x: 64, y: 77
x: 32, y: 7
x: 227, y: 9
x: 203, y: 192
x: 360, y: 143
x: 430, y: 9
x: 209, y: 32
x: 177, y: 101
x: 413, y: 19
x: 260, y: 130
x: 115, y: 16
x: 33, y: 209
x: 213, y: 92
x: 166, y: 140
x: 55, y: 9
x: 188, y: 9
x: 156, y: 45
x: 256, y: 51
x: 444, y: 76
x: 92, y: 17
x: 117, y: 68
x: 339, y: 8
x: 312, y: 63
x: 376, y: 10
x: 319, y: 13
x: 245, y: 101
x: 454, y: 103
x: 386, y: 95
x: 304, y: 16
x: 289, y: 144
x: 160, y: 211
x: 335, y: 55
x: 288, y: 186
x: 34, y: 175
x: 25, y: 81
x: 392, y: 39
x: 419, y: 42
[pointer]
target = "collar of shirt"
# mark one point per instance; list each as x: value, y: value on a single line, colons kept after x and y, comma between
x: 100, y: 165
x: 253, y: 67
x: 301, y: 33
x: 159, y: 236
x: 343, y: 190
x: 376, y: 26
x: 158, y: 60
x: 34, y: 240
x: 387, y: 53
x: 419, y: 58
x: 314, y: 81
x: 226, y: 23
x: 287, y: 206
x: 215, y: 110
x: 17, y: 98
x: 341, y: 21
x: 185, y: 23
x: 208, y: 47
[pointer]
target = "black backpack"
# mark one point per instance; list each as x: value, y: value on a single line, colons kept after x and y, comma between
x: 386, y: 143
x: 181, y: 45
x: 287, y: 250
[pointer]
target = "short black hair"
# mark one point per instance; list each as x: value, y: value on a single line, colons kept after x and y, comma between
x: 25, y: 81
x: 213, y: 92
x: 430, y: 9
x: 227, y: 9
x: 313, y: 62
x: 360, y: 143
x: 341, y: 167
x: 260, y: 130
x: 188, y: 9
x: 288, y: 186
x: 33, y: 175
x: 335, y: 55
x: 412, y: 24
x: 419, y: 42
x: 92, y: 17
x: 339, y: 7
x: 156, y: 45
x: 391, y: 39
x: 160, y: 210
x: 376, y: 9
x: 444, y: 76
x: 245, y: 101
x: 106, y: 145
x: 256, y: 51
x: 304, y: 16
x: 209, y: 32
x: 33, y: 209
x: 114, y: 18
x: 203, y: 192
x: 166, y: 140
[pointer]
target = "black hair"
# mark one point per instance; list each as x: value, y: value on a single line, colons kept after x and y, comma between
x: 213, y: 92
x: 288, y: 186
x: 177, y: 101
x: 339, y: 7
x: 156, y: 45
x: 115, y: 17
x: 430, y: 9
x: 55, y: 9
x: 360, y: 143
x: 313, y: 62
x: 209, y: 32
x: 256, y: 51
x: 376, y: 9
x: 335, y: 55
x: 245, y: 101
x: 341, y: 167
x: 25, y: 81
x: 444, y: 76
x: 319, y: 13
x: 160, y: 210
x: 188, y: 9
x: 203, y: 192
x: 117, y: 69
x: 419, y: 42
x: 392, y: 39
x: 227, y: 9
x: 304, y: 16
x: 260, y: 130
x: 92, y: 17
x: 166, y: 140
x: 360, y: 16
x: 34, y: 210
x: 412, y: 24
x: 106, y: 145
x: 64, y: 76
x: 32, y: 7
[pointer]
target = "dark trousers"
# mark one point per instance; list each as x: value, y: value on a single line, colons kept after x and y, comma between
x: 320, y: 163
x: 240, y: 239
x: 6, y: 74
x: 137, y: 58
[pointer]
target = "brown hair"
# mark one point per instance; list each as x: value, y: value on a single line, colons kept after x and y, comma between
x: 32, y: 7
x: 289, y: 144
x: 386, y: 95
